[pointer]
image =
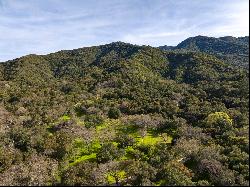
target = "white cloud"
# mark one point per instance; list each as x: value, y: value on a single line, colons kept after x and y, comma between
x: 45, y: 26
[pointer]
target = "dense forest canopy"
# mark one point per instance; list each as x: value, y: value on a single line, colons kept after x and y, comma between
x: 230, y: 49
x: 122, y: 114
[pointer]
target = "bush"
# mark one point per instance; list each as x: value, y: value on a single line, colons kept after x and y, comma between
x: 93, y: 120
x: 114, y: 113
x: 80, y: 174
x: 108, y: 152
x: 124, y: 140
x: 218, y: 123
x: 21, y: 139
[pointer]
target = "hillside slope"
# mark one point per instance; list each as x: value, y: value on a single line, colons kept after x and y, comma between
x: 230, y: 49
x: 122, y: 114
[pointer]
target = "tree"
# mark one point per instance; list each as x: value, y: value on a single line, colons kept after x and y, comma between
x: 108, y: 152
x: 36, y: 170
x: 114, y: 113
x: 58, y: 145
x: 93, y: 120
x: 81, y: 174
x: 21, y: 139
x: 124, y: 140
x: 219, y: 117
x: 218, y: 122
x: 216, y: 172
x: 174, y: 173
x: 140, y: 173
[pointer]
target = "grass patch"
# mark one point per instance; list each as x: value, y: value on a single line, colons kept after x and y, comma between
x: 158, y: 183
x: 84, y: 151
x: 94, y: 146
x: 107, y: 124
x: 115, y: 144
x: 91, y: 157
x: 79, y: 121
x: 128, y: 153
x: 153, y: 138
x: 149, y: 140
x: 129, y: 129
x: 102, y: 126
x: 112, y: 176
x: 65, y: 118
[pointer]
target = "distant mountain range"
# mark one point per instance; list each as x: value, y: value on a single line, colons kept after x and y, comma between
x: 229, y: 49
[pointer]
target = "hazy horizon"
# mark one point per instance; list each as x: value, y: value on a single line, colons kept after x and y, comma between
x: 42, y: 27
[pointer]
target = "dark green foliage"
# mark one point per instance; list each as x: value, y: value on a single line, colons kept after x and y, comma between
x: 57, y: 146
x: 93, y: 120
x: 20, y: 138
x: 114, y: 113
x: 124, y: 140
x: 229, y: 49
x: 95, y: 115
x: 82, y: 174
x: 214, y: 171
x: 108, y: 152
x: 66, y: 89
x: 140, y: 173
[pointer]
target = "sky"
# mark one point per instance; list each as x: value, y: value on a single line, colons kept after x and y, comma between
x: 45, y: 26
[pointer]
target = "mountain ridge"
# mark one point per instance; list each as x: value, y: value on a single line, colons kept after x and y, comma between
x: 240, y: 40
x: 233, y: 50
x: 125, y: 114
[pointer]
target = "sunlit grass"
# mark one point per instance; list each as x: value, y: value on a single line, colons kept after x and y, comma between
x: 120, y: 175
x: 65, y: 118
x: 91, y: 157
x: 88, y: 151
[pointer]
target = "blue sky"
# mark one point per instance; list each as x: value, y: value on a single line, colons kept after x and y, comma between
x: 45, y: 26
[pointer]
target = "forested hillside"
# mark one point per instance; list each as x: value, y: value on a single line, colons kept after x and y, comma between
x: 230, y: 49
x: 122, y: 114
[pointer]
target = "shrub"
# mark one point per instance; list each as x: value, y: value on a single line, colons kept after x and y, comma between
x: 108, y: 152
x: 114, y: 113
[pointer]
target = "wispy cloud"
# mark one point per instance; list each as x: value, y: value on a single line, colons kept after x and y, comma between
x: 32, y: 26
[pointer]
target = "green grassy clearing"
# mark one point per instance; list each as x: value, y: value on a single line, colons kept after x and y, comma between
x: 65, y: 118
x: 88, y: 151
x: 91, y: 157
